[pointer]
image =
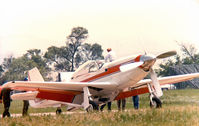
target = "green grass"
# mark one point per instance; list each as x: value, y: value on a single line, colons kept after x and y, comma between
x: 180, y: 107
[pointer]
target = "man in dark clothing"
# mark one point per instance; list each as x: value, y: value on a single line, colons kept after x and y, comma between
x: 5, y: 96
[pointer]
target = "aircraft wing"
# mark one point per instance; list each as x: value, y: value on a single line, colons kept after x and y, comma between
x: 64, y: 86
x: 141, y: 86
x: 171, y: 79
x: 58, y: 91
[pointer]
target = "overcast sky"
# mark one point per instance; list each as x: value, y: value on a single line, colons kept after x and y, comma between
x: 127, y: 26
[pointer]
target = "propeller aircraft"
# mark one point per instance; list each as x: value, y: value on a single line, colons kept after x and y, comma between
x: 95, y: 83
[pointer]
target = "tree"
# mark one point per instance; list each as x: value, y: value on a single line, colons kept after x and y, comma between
x: 74, y: 41
x: 171, y: 67
x: 18, y: 67
x: 60, y: 59
x: 189, y: 52
x: 7, y: 62
x: 66, y: 58
x: 89, y: 52
x: 1, y: 70
x: 190, y: 56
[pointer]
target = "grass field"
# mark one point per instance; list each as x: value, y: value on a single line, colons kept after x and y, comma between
x: 180, y: 107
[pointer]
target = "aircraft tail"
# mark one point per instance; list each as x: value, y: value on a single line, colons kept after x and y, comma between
x: 35, y: 75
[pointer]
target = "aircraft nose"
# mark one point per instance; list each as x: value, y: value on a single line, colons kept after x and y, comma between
x: 148, y: 60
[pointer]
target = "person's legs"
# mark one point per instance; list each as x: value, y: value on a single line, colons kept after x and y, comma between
x: 102, y: 107
x: 25, y: 107
x: 118, y: 104
x: 109, y: 106
x: 58, y: 111
x: 136, y: 101
x: 6, y: 101
x: 123, y: 104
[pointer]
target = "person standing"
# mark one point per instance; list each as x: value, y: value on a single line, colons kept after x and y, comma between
x: 109, y: 58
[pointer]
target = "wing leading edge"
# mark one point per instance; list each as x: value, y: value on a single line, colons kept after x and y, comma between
x: 58, y: 91
x: 141, y: 86
x: 63, y: 86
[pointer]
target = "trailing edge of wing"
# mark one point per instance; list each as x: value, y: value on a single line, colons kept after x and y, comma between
x: 75, y: 86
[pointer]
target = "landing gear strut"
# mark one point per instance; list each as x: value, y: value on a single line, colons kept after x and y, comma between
x: 155, y: 102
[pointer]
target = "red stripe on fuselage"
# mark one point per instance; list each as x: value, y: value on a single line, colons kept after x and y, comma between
x: 111, y: 70
x: 137, y: 59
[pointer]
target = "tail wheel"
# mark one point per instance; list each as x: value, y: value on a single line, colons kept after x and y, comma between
x: 156, y: 103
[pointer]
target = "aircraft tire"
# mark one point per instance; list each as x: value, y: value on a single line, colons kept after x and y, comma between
x: 94, y: 105
x: 157, y: 103
x: 90, y: 108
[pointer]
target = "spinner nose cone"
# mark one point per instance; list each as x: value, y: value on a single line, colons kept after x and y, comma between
x: 149, y: 61
x: 147, y: 58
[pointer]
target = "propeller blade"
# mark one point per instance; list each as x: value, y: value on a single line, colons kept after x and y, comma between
x: 156, y: 83
x: 167, y: 54
x: 130, y: 66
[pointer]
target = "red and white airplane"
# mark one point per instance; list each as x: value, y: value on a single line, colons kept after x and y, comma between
x: 96, y: 83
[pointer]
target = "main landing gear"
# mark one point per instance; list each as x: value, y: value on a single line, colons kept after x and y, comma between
x: 155, y: 102
x: 92, y: 106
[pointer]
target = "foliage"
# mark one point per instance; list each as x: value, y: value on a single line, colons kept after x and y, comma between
x: 74, y: 41
x: 165, y: 67
x: 16, y: 68
x: 190, y: 56
x: 1, y: 70
x: 64, y: 58
x: 61, y: 58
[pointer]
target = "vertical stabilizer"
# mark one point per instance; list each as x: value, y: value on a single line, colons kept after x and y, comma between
x: 35, y: 75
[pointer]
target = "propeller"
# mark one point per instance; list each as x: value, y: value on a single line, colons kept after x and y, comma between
x: 146, y: 62
x: 167, y: 54
x: 153, y: 75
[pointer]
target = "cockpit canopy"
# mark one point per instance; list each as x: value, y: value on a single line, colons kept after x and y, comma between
x: 88, y: 67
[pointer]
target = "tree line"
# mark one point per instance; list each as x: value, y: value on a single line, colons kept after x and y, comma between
x: 75, y: 52
x: 64, y: 58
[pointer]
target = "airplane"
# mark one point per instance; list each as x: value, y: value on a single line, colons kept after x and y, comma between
x: 95, y: 83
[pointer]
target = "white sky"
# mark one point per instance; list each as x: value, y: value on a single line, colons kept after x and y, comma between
x: 127, y: 26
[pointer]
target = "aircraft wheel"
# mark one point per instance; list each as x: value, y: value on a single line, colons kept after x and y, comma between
x: 94, y: 105
x: 90, y: 108
x: 156, y: 103
x: 58, y: 111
